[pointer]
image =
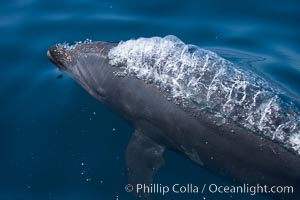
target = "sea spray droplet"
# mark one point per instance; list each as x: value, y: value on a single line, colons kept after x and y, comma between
x: 88, y: 179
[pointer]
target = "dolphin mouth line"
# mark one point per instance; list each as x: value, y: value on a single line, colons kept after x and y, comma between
x: 51, y: 58
x: 55, y: 61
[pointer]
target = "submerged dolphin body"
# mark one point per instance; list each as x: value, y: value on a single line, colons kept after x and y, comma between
x: 190, y: 100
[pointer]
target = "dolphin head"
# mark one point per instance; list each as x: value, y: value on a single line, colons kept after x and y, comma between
x: 61, y: 56
x: 86, y: 62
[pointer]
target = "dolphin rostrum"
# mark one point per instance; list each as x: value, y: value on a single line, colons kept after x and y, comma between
x: 180, y: 97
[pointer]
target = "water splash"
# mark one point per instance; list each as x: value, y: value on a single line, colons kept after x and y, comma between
x: 66, y: 45
x: 198, y: 78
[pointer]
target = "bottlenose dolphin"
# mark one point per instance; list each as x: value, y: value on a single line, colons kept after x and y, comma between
x: 180, y: 97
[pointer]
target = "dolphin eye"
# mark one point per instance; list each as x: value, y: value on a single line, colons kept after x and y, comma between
x: 100, y: 92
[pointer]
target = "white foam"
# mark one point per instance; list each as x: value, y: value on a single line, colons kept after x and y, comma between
x: 295, y: 141
x: 67, y: 46
x: 195, y: 76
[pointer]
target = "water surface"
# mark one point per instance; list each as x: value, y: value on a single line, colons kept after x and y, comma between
x: 57, y: 142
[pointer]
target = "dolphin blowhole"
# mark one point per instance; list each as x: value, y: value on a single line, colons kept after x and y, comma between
x: 192, y: 75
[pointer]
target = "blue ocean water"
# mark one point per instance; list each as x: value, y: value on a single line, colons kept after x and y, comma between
x: 59, y: 143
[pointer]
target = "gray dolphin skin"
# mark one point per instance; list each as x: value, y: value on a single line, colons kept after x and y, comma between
x: 182, y: 98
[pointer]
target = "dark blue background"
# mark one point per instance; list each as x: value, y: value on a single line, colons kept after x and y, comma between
x: 57, y: 142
